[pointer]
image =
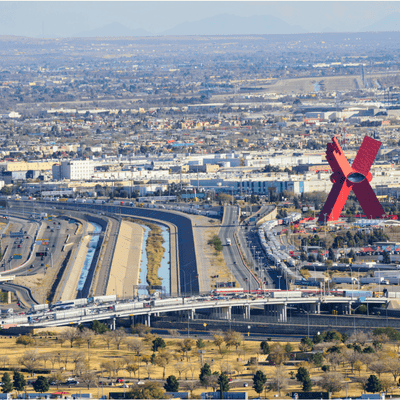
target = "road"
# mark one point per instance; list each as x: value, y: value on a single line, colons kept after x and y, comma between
x: 233, y: 261
x: 254, y: 253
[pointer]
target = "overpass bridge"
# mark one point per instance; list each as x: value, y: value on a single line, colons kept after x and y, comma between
x: 141, y: 311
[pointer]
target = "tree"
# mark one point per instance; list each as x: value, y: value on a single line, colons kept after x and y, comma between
x: 29, y: 360
x: 19, y: 381
x: 119, y: 336
x: 265, y: 347
x: 302, y: 374
x: 150, y: 390
x: 205, y: 371
x: 99, y: 327
x: 70, y: 334
x: 223, y: 384
x: 158, y: 343
x: 41, y: 384
x: 87, y: 336
x: 162, y: 360
x: 306, y: 344
x: 89, y: 378
x: 7, y: 386
x: 132, y: 368
x: 218, y: 340
x: 307, y: 385
x: 358, y: 366
x: 331, y: 382
x: 172, y: 384
x: 25, y: 340
x: 317, y: 359
x: 373, y: 384
x: 259, y: 380
x: 279, y: 380
x: 140, y: 329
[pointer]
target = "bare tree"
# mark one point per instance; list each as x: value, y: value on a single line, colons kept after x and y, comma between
x: 359, y: 337
x: 119, y: 336
x: 331, y: 382
x: 88, y: 336
x: 30, y: 360
x: 57, y: 377
x: 393, y: 366
x: 89, y: 378
x: 69, y: 334
x: 4, y: 361
x: 180, y: 367
x: 190, y: 386
x: 279, y: 380
x: 162, y: 359
x: 380, y: 367
x: 108, y: 337
x: 212, y: 381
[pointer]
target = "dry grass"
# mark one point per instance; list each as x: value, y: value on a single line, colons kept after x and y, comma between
x: 154, y: 250
x: 236, y: 360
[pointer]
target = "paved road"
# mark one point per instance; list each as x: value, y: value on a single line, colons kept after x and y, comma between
x: 252, y: 249
x: 233, y: 261
x: 24, y: 294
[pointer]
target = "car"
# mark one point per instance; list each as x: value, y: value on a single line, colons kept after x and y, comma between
x: 72, y: 383
x: 53, y: 245
x: 120, y: 380
x: 245, y: 384
x: 42, y: 264
x: 229, y: 379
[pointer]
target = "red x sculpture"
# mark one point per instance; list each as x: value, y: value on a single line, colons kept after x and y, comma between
x: 356, y: 178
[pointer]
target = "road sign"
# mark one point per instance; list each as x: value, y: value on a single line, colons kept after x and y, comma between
x: 17, y: 256
x: 16, y: 234
x: 252, y: 219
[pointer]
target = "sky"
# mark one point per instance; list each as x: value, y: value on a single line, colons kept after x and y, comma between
x: 70, y: 18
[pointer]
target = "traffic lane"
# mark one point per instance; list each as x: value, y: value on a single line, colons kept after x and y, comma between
x: 231, y: 253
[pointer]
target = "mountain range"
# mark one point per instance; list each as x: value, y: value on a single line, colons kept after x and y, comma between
x: 228, y: 24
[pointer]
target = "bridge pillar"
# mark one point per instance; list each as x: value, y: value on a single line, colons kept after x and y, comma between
x: 247, y: 312
x: 113, y: 323
x: 314, y: 308
x: 148, y: 320
x: 281, y: 310
x: 192, y: 314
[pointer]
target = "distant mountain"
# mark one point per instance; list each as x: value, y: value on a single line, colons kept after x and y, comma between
x: 389, y: 23
x: 114, y: 29
x: 227, y: 24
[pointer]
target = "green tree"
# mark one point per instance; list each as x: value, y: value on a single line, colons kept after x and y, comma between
x: 373, y: 385
x: 302, y: 374
x: 317, y: 359
x: 223, y: 383
x: 99, y: 327
x: 392, y: 333
x: 205, y: 372
x: 200, y: 344
x: 288, y: 348
x: 150, y: 390
x: 265, y: 347
x: 6, y: 381
x: 41, y: 384
x: 259, y: 380
x: 306, y: 343
x: 158, y: 343
x: 307, y: 385
x: 172, y: 384
x: 19, y: 381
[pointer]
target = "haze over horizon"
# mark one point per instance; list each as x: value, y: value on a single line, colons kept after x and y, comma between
x: 107, y: 19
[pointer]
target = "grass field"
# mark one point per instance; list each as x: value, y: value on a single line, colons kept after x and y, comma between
x: 105, y: 357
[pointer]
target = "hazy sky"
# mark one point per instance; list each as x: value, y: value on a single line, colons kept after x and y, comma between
x: 69, y: 18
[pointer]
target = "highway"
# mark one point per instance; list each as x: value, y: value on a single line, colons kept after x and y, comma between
x: 231, y: 253
x: 92, y: 312
x: 252, y: 249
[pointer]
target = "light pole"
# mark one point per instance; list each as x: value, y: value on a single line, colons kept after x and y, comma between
x: 279, y: 277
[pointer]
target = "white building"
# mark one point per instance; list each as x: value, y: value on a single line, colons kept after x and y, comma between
x: 73, y: 170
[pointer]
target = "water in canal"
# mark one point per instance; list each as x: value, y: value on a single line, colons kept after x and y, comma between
x: 89, y: 256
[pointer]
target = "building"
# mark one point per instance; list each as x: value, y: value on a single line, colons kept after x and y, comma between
x: 73, y: 170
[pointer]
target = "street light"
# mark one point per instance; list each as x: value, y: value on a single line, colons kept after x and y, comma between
x: 279, y: 277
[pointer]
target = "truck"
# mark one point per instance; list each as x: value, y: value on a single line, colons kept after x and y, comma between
x: 102, y: 299
x: 279, y: 294
x: 228, y: 242
x: 166, y: 302
x: 39, y: 307
x: 127, y: 306
x: 43, y: 215
x: 345, y: 279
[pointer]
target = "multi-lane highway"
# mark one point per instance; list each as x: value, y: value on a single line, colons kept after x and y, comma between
x: 231, y: 252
